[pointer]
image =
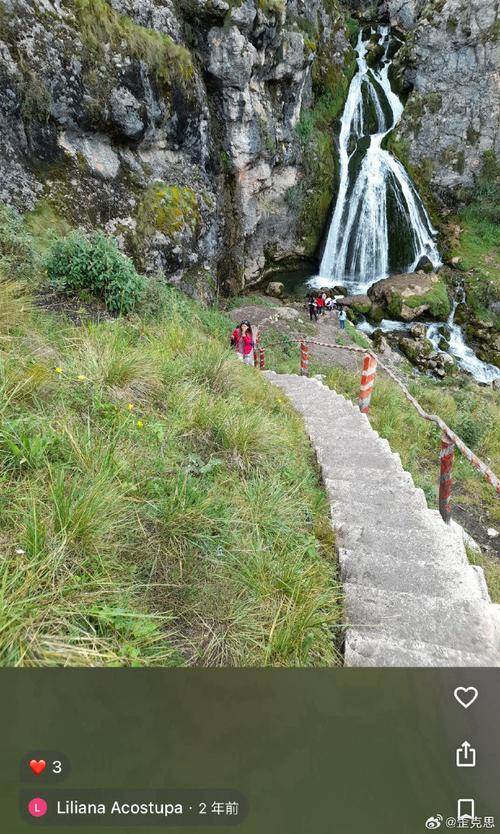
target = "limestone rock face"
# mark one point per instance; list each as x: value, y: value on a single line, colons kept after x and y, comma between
x: 452, y: 60
x: 171, y: 124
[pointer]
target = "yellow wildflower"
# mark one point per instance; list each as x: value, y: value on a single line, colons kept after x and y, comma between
x: 130, y: 406
x: 81, y: 377
x: 58, y: 370
x: 140, y: 424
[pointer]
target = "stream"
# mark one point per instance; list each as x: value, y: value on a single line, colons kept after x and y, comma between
x: 379, y: 225
x: 458, y: 348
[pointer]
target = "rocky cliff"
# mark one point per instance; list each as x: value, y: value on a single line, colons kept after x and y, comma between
x: 451, y: 60
x: 197, y: 131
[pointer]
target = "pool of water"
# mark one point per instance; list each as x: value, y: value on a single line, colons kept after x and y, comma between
x: 295, y: 281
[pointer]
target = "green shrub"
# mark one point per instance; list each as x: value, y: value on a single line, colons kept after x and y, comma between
x: 78, y: 263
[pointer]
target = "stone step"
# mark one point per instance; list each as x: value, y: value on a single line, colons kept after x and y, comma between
x: 381, y: 510
x: 465, y: 625
x: 411, y: 543
x: 397, y: 494
x: 367, y: 460
x: 414, y: 576
x: 363, y: 650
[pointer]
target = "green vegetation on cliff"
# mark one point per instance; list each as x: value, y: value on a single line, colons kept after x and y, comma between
x: 314, y: 196
x: 479, y: 243
x: 159, y: 500
x: 167, y: 209
x: 101, y: 24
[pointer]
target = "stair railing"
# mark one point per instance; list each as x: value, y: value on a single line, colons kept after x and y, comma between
x: 449, y: 440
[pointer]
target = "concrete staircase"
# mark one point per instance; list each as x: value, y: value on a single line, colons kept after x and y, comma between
x: 411, y: 596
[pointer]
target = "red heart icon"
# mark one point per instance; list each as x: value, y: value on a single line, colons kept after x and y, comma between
x: 38, y: 767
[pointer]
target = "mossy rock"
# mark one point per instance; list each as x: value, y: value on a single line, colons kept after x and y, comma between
x: 168, y: 209
x: 361, y: 304
x: 436, y: 301
x: 407, y: 297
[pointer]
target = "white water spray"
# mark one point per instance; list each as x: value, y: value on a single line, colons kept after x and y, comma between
x: 459, y: 349
x: 373, y: 189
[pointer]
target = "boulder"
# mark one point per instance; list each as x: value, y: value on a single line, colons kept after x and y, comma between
x: 410, y: 296
x: 127, y: 114
x: 379, y: 341
x: 461, y: 314
x: 424, y: 265
x: 377, y: 313
x: 374, y: 53
x: 418, y: 331
x: 443, y: 344
x: 359, y: 303
x: 275, y: 289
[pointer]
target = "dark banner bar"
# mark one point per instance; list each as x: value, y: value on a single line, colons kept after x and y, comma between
x: 361, y: 751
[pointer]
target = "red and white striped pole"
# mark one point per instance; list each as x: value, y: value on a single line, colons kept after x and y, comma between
x: 304, y: 359
x: 262, y: 359
x: 367, y: 380
x: 445, y: 482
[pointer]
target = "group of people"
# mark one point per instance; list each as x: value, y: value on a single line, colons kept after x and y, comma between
x: 244, y: 338
x: 321, y: 303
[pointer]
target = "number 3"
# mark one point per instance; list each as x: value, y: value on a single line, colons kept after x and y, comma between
x: 56, y: 767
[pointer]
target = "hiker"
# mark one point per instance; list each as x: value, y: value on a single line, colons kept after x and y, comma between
x: 342, y: 318
x: 320, y: 302
x: 243, y: 342
x: 313, y: 308
x: 330, y: 304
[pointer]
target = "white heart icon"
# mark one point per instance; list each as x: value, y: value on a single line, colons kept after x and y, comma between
x: 466, y: 695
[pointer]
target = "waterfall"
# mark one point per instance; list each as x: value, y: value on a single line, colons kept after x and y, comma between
x: 459, y: 349
x: 379, y: 225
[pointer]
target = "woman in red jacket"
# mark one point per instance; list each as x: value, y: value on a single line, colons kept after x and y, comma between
x: 243, y: 342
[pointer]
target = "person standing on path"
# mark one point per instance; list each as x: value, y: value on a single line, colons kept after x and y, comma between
x: 320, y: 303
x: 313, y: 308
x: 342, y: 318
x: 243, y: 342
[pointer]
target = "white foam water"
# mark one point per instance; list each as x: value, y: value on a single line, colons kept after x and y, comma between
x: 357, y: 251
x: 459, y: 349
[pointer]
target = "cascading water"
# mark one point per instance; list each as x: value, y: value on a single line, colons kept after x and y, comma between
x: 379, y: 224
x: 463, y: 354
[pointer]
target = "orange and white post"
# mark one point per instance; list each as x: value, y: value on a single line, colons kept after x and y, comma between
x: 445, y: 478
x: 367, y: 380
x: 304, y: 359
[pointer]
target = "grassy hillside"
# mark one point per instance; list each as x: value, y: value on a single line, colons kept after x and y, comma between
x: 159, y: 501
